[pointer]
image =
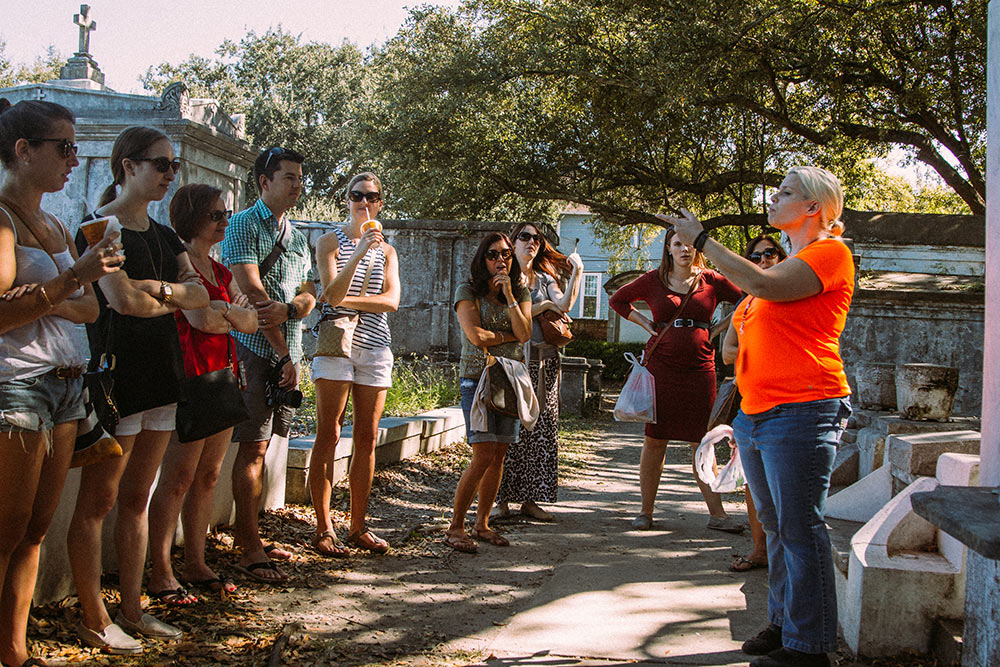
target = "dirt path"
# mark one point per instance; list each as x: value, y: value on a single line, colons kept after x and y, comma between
x: 586, y: 590
x: 427, y: 603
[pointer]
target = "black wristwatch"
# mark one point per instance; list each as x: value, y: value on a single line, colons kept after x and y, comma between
x: 293, y: 312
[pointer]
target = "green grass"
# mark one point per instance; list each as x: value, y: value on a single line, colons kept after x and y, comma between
x: 418, y: 385
x: 576, y: 445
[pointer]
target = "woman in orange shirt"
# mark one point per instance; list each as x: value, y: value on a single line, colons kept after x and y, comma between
x: 765, y: 252
x: 795, y: 404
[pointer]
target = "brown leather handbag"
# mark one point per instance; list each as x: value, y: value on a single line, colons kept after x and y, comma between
x: 335, y: 330
x: 500, y: 395
x: 727, y: 404
x: 555, y: 328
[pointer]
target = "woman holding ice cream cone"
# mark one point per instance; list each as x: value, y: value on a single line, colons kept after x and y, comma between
x: 359, y: 274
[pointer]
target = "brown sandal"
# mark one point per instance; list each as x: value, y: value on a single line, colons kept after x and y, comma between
x: 375, y: 544
x: 491, y: 537
x: 463, y: 543
x: 339, y: 549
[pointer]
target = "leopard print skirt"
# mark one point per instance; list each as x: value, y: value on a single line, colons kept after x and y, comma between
x: 530, y: 470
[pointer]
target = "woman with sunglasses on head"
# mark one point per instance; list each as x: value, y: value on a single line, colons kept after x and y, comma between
x: 795, y: 405
x: 682, y: 363
x: 765, y: 252
x: 46, y: 287
x: 530, y: 474
x: 359, y: 273
x: 137, y: 327
x: 494, y: 311
x: 190, y: 469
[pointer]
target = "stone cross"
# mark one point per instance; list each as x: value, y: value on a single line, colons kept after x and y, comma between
x: 87, y: 25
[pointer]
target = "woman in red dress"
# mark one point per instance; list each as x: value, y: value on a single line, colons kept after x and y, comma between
x: 191, y: 469
x: 682, y: 364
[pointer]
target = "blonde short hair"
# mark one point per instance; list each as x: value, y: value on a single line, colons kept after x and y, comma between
x: 823, y: 187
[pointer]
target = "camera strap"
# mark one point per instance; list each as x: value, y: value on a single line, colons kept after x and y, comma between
x: 280, y: 245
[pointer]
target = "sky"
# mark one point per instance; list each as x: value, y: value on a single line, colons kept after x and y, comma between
x: 133, y: 35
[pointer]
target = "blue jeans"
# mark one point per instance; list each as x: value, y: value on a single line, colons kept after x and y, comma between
x: 787, y: 454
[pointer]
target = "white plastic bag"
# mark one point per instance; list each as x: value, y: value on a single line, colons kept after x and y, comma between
x: 730, y: 478
x: 637, y: 402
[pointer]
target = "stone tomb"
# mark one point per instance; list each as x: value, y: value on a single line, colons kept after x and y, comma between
x: 208, y: 141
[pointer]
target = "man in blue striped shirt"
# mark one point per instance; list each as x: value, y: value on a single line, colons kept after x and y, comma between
x: 276, y: 283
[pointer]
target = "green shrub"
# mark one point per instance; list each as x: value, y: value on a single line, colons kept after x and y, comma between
x: 418, y: 386
x: 616, y: 367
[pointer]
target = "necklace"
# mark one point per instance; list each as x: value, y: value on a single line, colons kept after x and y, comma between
x: 157, y: 266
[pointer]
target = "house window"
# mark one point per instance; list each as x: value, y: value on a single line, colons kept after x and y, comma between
x: 590, y: 300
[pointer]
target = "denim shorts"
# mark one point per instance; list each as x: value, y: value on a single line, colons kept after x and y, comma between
x: 499, y: 428
x: 40, y: 402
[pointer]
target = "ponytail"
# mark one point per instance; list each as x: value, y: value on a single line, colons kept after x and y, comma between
x: 109, y: 195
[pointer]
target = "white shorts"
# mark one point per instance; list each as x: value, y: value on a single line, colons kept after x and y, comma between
x: 163, y: 418
x: 370, y: 368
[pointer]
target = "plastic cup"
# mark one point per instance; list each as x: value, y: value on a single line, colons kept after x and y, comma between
x: 370, y: 224
x: 94, y: 230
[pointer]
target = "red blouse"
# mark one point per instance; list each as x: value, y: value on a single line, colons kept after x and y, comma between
x: 206, y: 352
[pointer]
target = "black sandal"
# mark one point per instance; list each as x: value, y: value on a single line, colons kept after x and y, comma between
x: 174, y: 597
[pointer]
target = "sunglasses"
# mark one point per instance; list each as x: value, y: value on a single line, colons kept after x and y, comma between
x: 273, y: 153
x: 67, y: 147
x: 161, y: 163
x: 494, y: 255
x: 769, y: 253
x: 216, y: 216
x: 357, y: 195
x: 528, y: 237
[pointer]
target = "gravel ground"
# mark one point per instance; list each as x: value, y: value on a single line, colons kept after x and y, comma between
x: 404, y: 608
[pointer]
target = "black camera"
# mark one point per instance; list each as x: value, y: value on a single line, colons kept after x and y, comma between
x: 277, y: 396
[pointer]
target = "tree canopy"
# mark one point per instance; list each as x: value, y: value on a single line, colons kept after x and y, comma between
x: 40, y: 70
x: 295, y: 94
x: 629, y: 106
x: 504, y: 109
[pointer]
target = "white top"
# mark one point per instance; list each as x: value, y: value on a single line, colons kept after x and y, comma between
x: 50, y: 341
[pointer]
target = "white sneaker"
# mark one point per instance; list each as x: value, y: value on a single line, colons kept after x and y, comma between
x: 111, y: 639
x: 149, y: 626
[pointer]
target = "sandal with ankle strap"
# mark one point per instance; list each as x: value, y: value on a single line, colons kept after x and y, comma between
x: 376, y: 546
x: 339, y: 549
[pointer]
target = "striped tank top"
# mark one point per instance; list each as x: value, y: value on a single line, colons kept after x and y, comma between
x: 372, y: 331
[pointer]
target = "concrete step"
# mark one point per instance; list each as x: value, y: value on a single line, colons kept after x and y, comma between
x: 841, y: 531
x: 916, y: 455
